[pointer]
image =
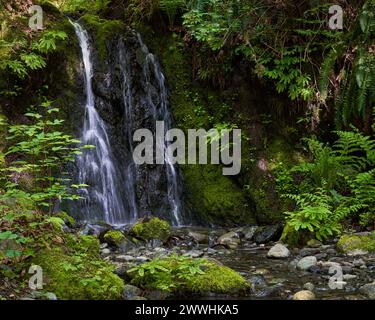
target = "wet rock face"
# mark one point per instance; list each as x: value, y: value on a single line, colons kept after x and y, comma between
x: 129, y: 96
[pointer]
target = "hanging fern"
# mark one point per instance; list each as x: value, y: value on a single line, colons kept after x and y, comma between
x: 171, y: 8
x: 357, y: 89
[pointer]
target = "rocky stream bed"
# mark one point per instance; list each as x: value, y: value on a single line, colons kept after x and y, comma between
x: 317, y: 271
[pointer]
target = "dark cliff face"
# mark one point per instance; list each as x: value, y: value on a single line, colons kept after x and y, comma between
x: 127, y: 97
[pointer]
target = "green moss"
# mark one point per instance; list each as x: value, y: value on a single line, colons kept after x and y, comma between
x: 102, y: 29
x: 182, y: 274
x: 218, y: 279
x: 351, y: 242
x: 211, y: 195
x: 154, y: 228
x: 114, y: 237
x: 293, y: 237
x: 76, y: 271
x: 215, y: 197
x: 66, y: 218
x: 56, y: 222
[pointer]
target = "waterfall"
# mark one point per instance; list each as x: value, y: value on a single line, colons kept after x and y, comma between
x: 127, y: 96
x: 96, y: 166
x: 124, y: 93
x: 162, y: 113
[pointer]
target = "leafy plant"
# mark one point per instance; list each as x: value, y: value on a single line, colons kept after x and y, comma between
x: 338, y: 183
x: 167, y: 274
x: 39, y: 152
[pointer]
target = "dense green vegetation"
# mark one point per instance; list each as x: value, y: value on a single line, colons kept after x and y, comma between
x: 308, y: 152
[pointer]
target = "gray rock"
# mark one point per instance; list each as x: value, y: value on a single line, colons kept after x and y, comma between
x: 368, y: 290
x: 307, y: 262
x: 321, y: 256
x: 269, y: 291
x: 194, y: 254
x: 249, y: 233
x: 229, y: 240
x: 51, y: 296
x: 278, y: 251
x: 293, y: 265
x: 358, y: 262
x: 105, y: 252
x: 309, y: 252
x: 124, y: 258
x: 142, y: 259
x: 268, y: 233
x: 329, y: 264
x: 131, y: 292
x: 199, y: 237
x: 103, y: 245
x: 357, y: 252
x: 309, y: 286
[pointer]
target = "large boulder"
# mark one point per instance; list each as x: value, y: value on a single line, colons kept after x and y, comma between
x: 151, y: 229
x: 75, y: 271
x: 172, y: 274
x: 364, y: 242
x: 230, y: 240
x: 114, y: 237
x: 199, y: 237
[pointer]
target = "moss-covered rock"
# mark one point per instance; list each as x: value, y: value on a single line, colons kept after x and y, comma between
x: 75, y: 271
x: 114, y: 237
x: 214, y: 197
x: 178, y: 274
x: 361, y: 241
x: 218, y: 279
x: 150, y: 229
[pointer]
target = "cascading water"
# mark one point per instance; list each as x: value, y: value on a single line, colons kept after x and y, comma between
x: 125, y: 91
x: 96, y: 166
x: 162, y: 113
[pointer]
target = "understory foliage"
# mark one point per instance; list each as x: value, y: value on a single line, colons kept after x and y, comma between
x: 285, y: 44
x: 23, y: 50
x: 337, y: 184
x: 183, y: 274
x: 38, y: 152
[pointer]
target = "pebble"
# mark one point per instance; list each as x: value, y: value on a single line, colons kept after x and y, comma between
x: 309, y: 286
x: 124, y: 258
x: 304, y: 295
x: 306, y: 262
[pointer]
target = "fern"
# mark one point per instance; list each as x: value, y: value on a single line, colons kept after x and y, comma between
x: 48, y: 40
x: 15, y: 66
x: 33, y: 61
x: 171, y: 8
